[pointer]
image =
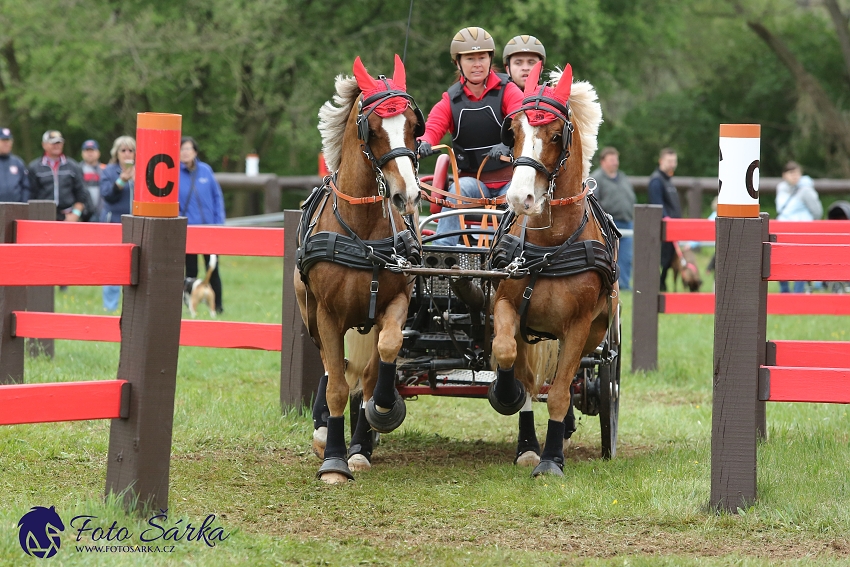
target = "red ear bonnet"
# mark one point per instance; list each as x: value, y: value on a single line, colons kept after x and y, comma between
x: 369, y: 87
x: 561, y: 93
x: 533, y: 79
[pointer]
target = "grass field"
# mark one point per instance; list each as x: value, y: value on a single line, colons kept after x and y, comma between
x: 443, y: 490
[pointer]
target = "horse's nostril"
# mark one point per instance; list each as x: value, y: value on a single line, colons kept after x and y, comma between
x: 398, y: 202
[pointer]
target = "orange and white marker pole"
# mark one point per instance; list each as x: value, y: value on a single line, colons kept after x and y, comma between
x: 157, y: 165
x: 738, y: 195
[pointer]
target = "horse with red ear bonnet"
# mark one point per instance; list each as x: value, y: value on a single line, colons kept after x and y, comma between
x: 355, y: 236
x: 557, y: 237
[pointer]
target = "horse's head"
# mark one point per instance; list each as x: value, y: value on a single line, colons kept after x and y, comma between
x: 387, y: 122
x: 542, y: 135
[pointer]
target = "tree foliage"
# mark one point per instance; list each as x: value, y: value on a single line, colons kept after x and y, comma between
x: 249, y: 76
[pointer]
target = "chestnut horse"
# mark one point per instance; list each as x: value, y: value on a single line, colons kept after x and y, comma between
x: 353, y: 241
x: 554, y: 231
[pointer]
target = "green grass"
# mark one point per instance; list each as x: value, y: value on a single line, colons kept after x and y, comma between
x: 443, y: 490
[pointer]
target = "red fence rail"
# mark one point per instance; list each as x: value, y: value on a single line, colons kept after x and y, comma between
x: 64, y: 401
x: 777, y: 304
x: 222, y: 240
x: 68, y: 264
x: 105, y: 328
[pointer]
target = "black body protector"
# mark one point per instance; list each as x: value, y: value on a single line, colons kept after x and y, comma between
x: 574, y: 256
x: 478, y: 126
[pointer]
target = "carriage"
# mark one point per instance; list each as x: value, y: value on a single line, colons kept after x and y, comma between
x: 448, y: 334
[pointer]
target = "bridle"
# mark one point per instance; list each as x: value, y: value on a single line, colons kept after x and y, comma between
x: 370, y: 104
x: 560, y: 111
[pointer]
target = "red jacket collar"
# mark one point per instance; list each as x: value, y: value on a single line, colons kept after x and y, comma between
x: 493, y: 82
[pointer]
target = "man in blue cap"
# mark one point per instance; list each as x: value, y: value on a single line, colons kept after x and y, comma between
x: 14, y: 180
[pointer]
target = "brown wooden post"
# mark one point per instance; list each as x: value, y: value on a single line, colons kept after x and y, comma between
x: 41, y: 298
x: 12, y: 298
x: 761, y: 407
x: 140, y: 446
x: 300, y: 362
x: 738, y: 346
x: 695, y: 199
x: 646, y: 268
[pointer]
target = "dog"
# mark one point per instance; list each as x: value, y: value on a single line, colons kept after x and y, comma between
x: 685, y: 266
x: 196, y: 291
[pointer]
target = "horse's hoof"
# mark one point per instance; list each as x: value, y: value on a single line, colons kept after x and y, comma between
x: 502, y: 408
x: 333, y: 478
x: 528, y: 459
x: 320, y: 439
x: 359, y: 463
x: 334, y: 470
x: 385, y: 422
x: 548, y: 467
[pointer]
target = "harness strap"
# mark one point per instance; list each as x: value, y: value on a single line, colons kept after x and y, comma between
x: 355, y: 200
x: 569, y: 200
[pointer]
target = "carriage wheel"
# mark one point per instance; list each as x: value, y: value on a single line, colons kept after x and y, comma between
x: 609, y: 405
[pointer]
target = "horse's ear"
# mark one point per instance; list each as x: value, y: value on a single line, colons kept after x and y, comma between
x: 364, y: 79
x: 533, y: 79
x: 565, y: 84
x: 399, y: 74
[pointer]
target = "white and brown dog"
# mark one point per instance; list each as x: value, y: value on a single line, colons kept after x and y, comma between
x: 196, y: 291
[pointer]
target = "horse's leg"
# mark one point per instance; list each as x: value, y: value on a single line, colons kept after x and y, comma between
x: 361, y: 446
x: 527, y: 447
x: 507, y: 394
x: 386, y: 410
x: 552, y: 458
x: 334, y: 467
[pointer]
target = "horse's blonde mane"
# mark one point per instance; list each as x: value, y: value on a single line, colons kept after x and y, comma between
x: 333, y: 116
x: 587, y: 112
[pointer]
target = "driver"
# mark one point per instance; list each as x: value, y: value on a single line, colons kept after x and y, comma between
x: 473, y: 110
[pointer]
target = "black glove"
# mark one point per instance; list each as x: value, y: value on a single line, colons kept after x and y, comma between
x: 498, y: 151
x: 424, y: 149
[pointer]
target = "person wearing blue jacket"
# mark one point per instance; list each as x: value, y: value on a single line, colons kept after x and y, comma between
x: 14, y: 178
x: 201, y: 202
x: 116, y: 188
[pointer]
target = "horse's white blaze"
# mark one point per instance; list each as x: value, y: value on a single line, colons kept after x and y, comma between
x: 394, y: 127
x: 522, y: 195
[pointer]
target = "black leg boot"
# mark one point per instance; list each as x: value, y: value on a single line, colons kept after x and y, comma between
x: 361, y: 442
x: 320, y: 405
x: 392, y: 408
x: 552, y: 458
x: 320, y: 418
x: 506, y: 393
x: 527, y: 439
x: 335, y: 453
x: 570, y: 421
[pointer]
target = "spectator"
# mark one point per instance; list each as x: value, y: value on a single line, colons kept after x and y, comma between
x: 55, y: 177
x: 92, y: 170
x: 14, y: 179
x: 663, y: 192
x: 520, y: 55
x: 116, y: 188
x: 617, y: 197
x: 796, y: 200
x: 201, y: 202
x: 473, y: 110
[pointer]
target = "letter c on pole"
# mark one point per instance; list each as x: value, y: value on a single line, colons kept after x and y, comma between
x: 149, y: 175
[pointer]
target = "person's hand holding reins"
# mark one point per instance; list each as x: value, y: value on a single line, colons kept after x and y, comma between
x: 424, y: 149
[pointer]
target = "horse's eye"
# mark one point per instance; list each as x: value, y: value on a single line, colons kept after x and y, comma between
x: 556, y: 138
